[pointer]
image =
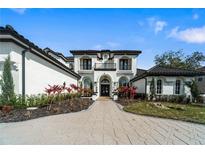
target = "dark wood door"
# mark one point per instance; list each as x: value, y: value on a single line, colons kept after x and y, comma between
x: 105, y: 90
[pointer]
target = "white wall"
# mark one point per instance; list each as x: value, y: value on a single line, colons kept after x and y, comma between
x: 39, y: 73
x: 140, y: 84
x: 168, y: 84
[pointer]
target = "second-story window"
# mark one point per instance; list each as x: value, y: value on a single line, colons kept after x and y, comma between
x: 125, y: 64
x: 86, y: 64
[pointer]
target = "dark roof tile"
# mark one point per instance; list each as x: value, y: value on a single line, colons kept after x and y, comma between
x: 11, y: 31
x: 131, y: 52
x: 167, y: 71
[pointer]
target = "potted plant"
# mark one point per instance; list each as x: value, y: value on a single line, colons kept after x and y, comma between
x: 115, y: 95
x: 94, y: 96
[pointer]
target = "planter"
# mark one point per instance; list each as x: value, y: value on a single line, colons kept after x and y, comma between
x: 115, y: 97
x: 94, y: 96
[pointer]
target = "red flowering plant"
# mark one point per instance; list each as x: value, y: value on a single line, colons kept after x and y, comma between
x: 68, y: 89
x: 133, y: 92
x: 87, y: 92
x: 126, y: 91
x: 63, y: 92
x: 74, y: 87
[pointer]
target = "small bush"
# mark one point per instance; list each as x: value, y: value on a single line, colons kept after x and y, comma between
x: 172, y: 98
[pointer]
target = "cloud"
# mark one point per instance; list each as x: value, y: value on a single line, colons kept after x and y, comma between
x: 189, y: 35
x: 157, y: 25
x: 140, y: 23
x: 19, y: 10
x: 106, y: 45
x: 98, y: 47
x: 195, y: 16
x: 112, y: 44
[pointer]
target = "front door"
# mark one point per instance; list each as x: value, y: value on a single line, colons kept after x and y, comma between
x: 105, y: 90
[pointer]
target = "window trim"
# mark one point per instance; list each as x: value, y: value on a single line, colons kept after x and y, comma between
x: 125, y: 64
x: 86, y: 64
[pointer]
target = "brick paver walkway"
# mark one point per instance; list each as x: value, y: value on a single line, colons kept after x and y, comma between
x: 102, y: 123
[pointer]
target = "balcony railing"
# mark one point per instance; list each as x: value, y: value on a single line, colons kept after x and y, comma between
x: 125, y: 67
x: 105, y: 66
x: 86, y: 67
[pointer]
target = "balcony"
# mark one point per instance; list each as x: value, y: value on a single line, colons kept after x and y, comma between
x: 85, y: 69
x: 125, y: 69
x: 105, y: 66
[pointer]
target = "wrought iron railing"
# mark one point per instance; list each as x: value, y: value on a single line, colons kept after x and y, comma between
x: 85, y: 67
x: 125, y: 67
x: 105, y: 66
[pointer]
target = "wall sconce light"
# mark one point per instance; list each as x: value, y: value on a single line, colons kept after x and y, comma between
x: 95, y: 85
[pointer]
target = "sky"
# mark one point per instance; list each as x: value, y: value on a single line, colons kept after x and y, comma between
x: 153, y: 31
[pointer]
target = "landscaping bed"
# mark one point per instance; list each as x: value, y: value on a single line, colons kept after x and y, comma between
x: 185, y: 112
x: 66, y: 106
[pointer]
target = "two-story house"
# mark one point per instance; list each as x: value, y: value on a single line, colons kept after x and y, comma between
x: 105, y: 70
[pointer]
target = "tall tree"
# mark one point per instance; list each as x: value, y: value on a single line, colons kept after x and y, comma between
x: 152, y: 89
x: 179, y: 60
x: 7, y: 86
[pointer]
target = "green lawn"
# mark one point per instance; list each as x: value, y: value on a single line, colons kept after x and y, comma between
x: 191, y: 113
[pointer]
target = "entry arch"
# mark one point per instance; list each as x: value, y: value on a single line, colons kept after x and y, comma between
x: 105, y: 85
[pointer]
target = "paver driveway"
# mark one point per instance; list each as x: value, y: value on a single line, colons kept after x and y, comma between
x: 102, y: 123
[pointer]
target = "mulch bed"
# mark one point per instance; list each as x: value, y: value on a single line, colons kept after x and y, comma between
x: 125, y: 102
x: 67, y: 106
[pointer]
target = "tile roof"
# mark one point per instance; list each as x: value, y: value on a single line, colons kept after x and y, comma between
x: 129, y: 52
x: 167, y: 71
x: 201, y: 69
x: 60, y: 55
x: 140, y: 71
x: 9, y: 30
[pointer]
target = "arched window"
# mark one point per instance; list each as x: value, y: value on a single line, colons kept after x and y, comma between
x: 105, y: 81
x: 87, y: 83
x: 123, y: 81
x: 178, y: 87
x: 159, y: 86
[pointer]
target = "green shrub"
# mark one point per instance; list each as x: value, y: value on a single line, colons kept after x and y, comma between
x: 6, y: 83
x: 40, y: 100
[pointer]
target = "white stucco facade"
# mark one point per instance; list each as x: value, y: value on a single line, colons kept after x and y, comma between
x: 97, y: 75
x: 168, y: 86
x: 40, y: 70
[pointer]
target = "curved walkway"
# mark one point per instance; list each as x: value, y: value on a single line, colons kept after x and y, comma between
x: 102, y: 123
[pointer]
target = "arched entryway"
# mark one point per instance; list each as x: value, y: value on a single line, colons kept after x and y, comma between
x: 105, y: 86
